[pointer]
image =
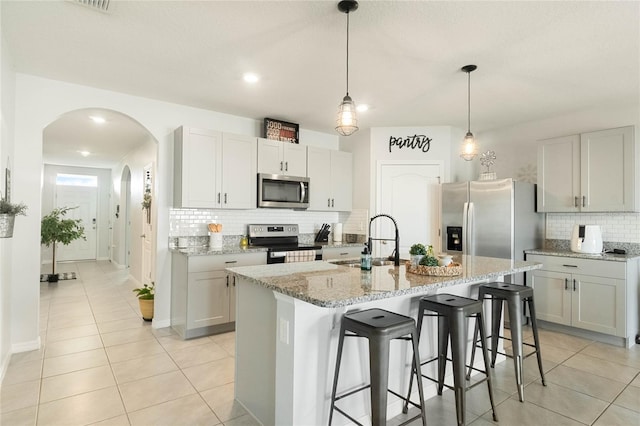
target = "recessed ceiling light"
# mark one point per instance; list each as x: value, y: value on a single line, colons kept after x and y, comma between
x: 250, y: 77
x: 97, y: 119
x: 362, y: 107
x: 84, y: 153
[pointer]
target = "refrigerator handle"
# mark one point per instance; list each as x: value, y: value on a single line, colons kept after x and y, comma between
x: 470, y: 231
x: 465, y: 215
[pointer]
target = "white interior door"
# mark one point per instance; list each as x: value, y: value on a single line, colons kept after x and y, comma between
x: 410, y: 193
x: 85, y: 199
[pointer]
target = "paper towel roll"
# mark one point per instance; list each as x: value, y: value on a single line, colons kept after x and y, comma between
x: 337, y: 232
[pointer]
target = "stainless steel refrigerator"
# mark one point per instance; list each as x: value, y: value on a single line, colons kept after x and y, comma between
x: 495, y: 218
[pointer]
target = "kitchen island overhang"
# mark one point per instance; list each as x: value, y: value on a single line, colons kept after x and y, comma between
x: 288, y: 320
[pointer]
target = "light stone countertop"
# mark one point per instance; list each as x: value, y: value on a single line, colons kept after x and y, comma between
x: 329, y: 285
x: 568, y: 253
x: 206, y: 251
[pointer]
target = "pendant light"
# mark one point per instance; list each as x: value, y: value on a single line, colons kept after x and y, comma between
x: 469, y: 146
x: 347, y: 120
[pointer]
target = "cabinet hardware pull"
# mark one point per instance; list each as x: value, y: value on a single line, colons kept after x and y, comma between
x: 570, y: 266
x: 218, y: 198
x: 566, y: 283
x: 227, y: 280
x: 328, y: 202
x: 584, y: 201
x: 225, y: 198
x: 575, y: 201
x: 332, y: 200
x: 234, y: 280
x: 231, y: 261
x: 574, y: 284
x: 286, y: 166
x: 344, y: 254
x: 281, y: 165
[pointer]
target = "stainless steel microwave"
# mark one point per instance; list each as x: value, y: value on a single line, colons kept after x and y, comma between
x: 280, y: 191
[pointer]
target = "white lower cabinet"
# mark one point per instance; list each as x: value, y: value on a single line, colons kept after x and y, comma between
x: 203, y: 292
x: 331, y: 253
x: 594, y: 295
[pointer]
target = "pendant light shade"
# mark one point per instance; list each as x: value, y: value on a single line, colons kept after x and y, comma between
x: 347, y: 119
x: 469, y: 145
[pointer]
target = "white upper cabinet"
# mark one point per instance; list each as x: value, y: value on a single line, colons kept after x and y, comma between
x: 591, y: 172
x: 282, y: 158
x: 214, y: 169
x: 239, y: 182
x: 331, y: 179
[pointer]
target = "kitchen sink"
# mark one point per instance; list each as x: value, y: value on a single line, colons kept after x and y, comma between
x: 355, y: 263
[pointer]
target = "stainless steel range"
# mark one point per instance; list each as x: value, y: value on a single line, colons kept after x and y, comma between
x: 282, y: 243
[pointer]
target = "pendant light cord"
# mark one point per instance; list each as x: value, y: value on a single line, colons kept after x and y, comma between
x: 469, y: 102
x: 347, y: 53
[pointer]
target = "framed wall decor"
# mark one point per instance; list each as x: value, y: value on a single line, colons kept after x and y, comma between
x: 281, y: 130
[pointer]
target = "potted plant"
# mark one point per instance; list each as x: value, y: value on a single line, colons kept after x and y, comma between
x: 55, y: 228
x: 417, y: 251
x: 145, y: 296
x: 8, y: 213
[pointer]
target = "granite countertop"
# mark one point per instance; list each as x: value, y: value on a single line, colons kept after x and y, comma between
x: 235, y: 249
x: 568, y: 253
x: 329, y: 285
x: 207, y: 251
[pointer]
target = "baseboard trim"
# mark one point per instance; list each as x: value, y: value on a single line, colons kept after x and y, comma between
x: 586, y: 334
x: 5, y: 366
x: 161, y: 323
x: 32, y: 345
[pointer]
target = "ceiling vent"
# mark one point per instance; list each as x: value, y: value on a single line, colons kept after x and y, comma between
x: 100, y: 5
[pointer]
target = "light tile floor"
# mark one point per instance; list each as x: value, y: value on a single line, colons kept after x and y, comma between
x: 101, y: 364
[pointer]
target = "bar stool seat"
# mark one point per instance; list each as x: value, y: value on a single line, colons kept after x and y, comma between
x: 379, y: 327
x: 452, y: 312
x: 515, y: 295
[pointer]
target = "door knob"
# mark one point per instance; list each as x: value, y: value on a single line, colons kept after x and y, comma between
x: 142, y: 236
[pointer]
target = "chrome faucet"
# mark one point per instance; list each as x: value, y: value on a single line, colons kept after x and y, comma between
x: 396, y: 258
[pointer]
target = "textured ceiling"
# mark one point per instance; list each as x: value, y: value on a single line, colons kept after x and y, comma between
x: 535, y: 59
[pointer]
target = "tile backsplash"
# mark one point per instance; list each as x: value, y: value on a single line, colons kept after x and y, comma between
x: 193, y: 222
x: 616, y: 227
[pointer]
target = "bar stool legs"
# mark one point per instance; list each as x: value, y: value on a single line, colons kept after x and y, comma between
x: 379, y: 327
x: 514, y: 295
x: 452, y: 313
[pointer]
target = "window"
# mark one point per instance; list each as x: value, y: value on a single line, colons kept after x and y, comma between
x: 76, y: 180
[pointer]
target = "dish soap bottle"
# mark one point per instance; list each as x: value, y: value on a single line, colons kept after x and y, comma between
x: 365, y: 259
x: 244, y: 242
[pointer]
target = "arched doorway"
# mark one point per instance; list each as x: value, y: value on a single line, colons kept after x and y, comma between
x: 108, y: 140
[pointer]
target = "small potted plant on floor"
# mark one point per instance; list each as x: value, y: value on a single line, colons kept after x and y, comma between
x: 55, y: 228
x: 417, y: 251
x: 8, y: 213
x: 145, y: 298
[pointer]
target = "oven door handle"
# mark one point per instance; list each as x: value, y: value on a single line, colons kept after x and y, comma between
x: 278, y: 254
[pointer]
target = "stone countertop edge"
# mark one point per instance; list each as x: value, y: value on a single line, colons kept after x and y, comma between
x: 604, y: 256
x: 277, y: 277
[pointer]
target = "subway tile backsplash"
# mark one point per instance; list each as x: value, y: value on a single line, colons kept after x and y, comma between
x: 193, y: 222
x: 616, y: 227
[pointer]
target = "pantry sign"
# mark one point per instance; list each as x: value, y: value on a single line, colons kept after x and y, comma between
x: 415, y: 142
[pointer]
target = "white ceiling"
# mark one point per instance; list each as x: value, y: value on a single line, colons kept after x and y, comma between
x: 535, y: 59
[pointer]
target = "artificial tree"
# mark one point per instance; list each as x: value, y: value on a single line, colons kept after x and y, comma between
x: 55, y: 228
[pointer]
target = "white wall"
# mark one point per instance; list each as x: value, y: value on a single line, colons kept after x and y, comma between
x: 102, y: 219
x: 7, y: 112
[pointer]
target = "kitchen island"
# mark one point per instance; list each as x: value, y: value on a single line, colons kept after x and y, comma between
x: 288, y: 321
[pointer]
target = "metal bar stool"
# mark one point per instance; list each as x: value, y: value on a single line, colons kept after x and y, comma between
x: 515, y: 296
x: 380, y: 327
x: 452, y: 313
